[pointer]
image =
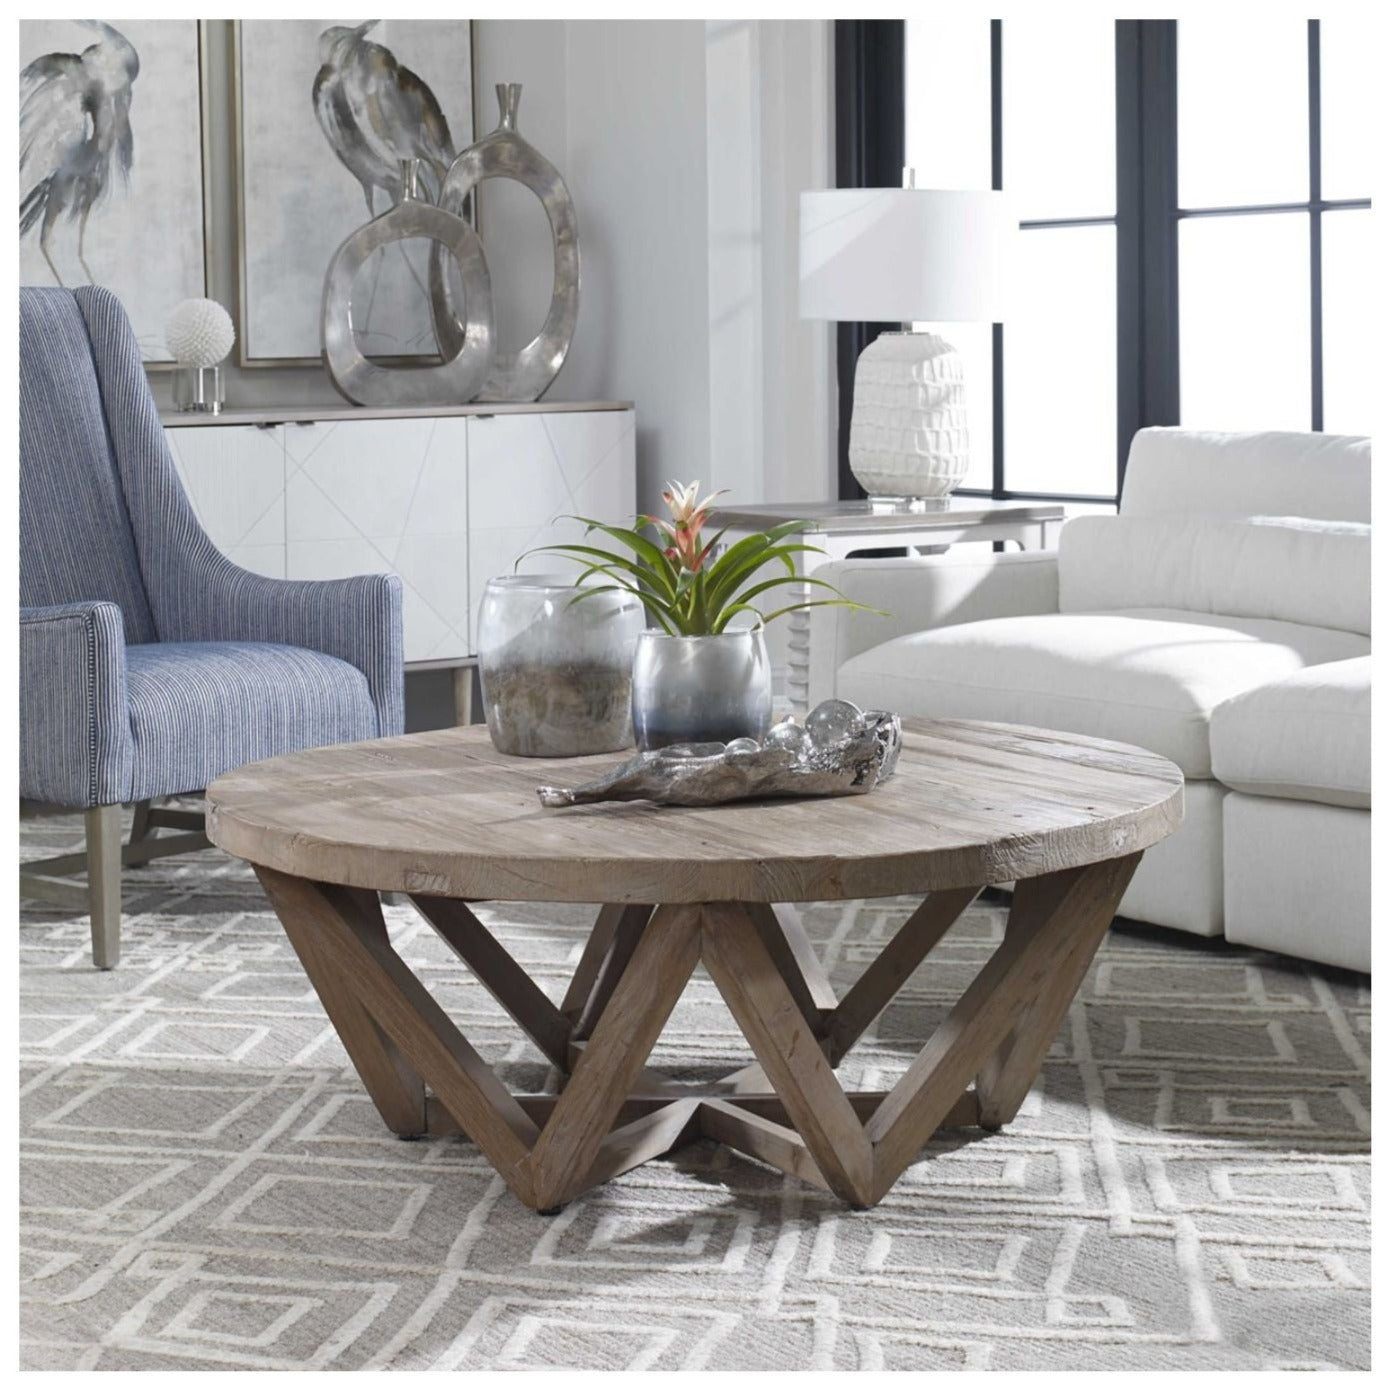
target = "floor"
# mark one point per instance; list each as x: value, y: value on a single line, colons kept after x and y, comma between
x: 205, y: 1186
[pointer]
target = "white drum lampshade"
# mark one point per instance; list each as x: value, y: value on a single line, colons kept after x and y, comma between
x: 905, y: 255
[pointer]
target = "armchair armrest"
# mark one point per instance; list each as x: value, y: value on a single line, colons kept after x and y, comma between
x: 920, y: 593
x: 74, y: 720
x: 359, y: 620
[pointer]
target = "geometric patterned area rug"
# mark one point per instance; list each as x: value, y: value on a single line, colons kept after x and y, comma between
x: 205, y: 1185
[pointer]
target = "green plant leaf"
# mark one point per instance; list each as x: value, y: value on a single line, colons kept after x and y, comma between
x: 653, y: 555
x: 727, y: 577
x: 648, y: 589
x: 588, y: 551
x: 768, y: 617
x: 646, y: 585
x: 646, y: 601
x: 752, y: 593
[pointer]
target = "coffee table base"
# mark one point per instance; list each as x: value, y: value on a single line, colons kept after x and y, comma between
x: 787, y: 1109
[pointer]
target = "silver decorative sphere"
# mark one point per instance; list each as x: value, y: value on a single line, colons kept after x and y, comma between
x: 199, y: 332
x: 834, y: 720
x: 786, y: 736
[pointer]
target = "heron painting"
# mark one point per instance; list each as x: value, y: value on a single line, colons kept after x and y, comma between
x: 328, y: 110
x: 110, y: 162
x: 74, y: 133
x: 374, y: 112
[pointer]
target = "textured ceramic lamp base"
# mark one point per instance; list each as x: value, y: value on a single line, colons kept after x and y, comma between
x: 909, y: 435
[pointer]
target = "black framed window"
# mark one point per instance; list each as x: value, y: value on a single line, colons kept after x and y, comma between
x: 1273, y: 257
x: 1194, y: 203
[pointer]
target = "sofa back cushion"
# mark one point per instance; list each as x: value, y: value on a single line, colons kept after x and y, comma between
x: 1322, y: 476
x: 1283, y: 568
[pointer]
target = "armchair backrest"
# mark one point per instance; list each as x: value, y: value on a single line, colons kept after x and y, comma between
x: 1316, y: 475
x: 75, y: 537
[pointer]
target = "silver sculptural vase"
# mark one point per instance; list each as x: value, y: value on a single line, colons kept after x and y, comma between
x: 505, y: 153
x: 700, y: 688
x: 840, y: 750
x: 468, y: 356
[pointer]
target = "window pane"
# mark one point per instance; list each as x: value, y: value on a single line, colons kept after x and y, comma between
x: 1347, y: 118
x: 948, y: 101
x: 1349, y: 353
x: 1245, y: 322
x: 1244, y: 110
x: 1060, y: 372
x: 974, y: 344
x: 1058, y: 116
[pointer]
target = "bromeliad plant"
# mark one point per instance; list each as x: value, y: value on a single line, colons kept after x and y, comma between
x: 687, y: 586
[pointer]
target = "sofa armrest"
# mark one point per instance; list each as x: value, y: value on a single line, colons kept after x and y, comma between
x: 920, y: 593
x: 74, y: 719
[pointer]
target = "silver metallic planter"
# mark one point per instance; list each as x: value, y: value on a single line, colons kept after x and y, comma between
x: 700, y: 688
x: 506, y: 153
x: 556, y: 674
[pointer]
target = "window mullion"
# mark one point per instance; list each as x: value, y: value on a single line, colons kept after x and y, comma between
x: 999, y: 478
x: 1131, y: 338
x: 1160, y: 275
x: 1316, y: 238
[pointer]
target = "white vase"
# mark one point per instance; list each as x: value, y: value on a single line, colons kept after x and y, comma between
x: 909, y: 434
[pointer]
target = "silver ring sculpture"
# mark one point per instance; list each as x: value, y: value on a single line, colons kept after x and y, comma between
x: 469, y: 356
x: 505, y: 153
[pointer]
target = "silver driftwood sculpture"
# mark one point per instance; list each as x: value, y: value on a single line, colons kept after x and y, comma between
x: 840, y: 750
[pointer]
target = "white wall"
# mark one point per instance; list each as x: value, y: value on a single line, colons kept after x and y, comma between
x: 637, y: 167
x: 685, y: 145
x: 688, y: 145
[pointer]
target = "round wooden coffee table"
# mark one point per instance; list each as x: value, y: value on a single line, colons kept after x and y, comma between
x: 447, y: 819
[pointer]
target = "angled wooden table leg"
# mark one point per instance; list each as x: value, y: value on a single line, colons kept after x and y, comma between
x: 500, y: 974
x: 764, y: 1006
x: 891, y: 969
x: 394, y: 1087
x: 595, y: 950
x: 1013, y: 1067
x: 999, y: 1030
x: 626, y: 1031
x: 619, y: 929
x: 402, y: 1008
x: 983, y: 1019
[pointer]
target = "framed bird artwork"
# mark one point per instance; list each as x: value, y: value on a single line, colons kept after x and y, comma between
x: 112, y: 163
x: 325, y: 111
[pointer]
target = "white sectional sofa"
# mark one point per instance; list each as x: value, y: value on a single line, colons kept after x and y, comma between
x: 1221, y: 619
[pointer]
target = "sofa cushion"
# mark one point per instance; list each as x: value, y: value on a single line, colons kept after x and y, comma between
x: 198, y: 708
x: 1315, y: 572
x: 1306, y: 736
x: 1150, y: 676
x: 1186, y: 470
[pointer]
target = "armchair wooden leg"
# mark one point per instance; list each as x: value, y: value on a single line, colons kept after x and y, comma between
x: 140, y: 829
x: 103, y: 882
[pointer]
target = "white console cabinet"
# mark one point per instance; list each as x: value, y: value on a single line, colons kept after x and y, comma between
x: 445, y: 499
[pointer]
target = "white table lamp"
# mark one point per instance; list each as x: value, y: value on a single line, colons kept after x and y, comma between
x: 904, y: 255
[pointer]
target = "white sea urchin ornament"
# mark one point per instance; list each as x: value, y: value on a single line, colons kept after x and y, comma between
x: 199, y: 333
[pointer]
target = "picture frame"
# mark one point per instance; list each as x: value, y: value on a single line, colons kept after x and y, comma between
x: 164, y: 106
x: 297, y: 197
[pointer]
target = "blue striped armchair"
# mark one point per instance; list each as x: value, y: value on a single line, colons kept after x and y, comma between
x: 149, y: 662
